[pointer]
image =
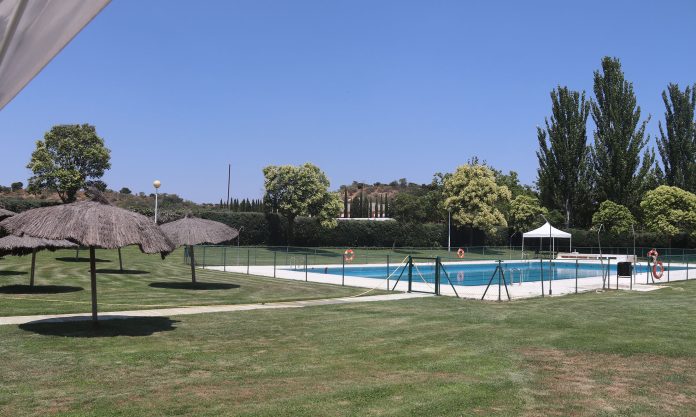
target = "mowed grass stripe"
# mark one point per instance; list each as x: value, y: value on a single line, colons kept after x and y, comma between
x: 148, y: 281
x: 612, y: 353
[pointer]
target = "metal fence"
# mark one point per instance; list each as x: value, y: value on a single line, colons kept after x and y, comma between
x: 521, y: 275
x: 218, y: 255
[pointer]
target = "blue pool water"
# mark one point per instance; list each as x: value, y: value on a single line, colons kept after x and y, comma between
x: 480, y: 274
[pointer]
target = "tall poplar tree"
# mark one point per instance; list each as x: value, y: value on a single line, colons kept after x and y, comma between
x: 677, y: 141
x: 563, y: 174
x: 620, y: 173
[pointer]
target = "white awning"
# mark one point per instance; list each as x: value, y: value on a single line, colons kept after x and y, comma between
x: 33, y: 32
x: 547, y: 231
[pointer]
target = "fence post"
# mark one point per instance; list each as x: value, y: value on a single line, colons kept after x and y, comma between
x: 687, y: 269
x: 248, y: 259
x: 204, y: 257
x: 275, y: 254
x: 410, y: 272
x: 541, y: 270
x: 576, y: 276
x: 387, y: 271
x: 437, y: 275
x: 224, y: 258
x: 305, y: 267
x: 343, y: 270
x: 669, y: 263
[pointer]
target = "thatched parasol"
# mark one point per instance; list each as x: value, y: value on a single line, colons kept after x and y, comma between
x: 95, y: 224
x: 24, y: 245
x: 191, y: 231
x: 6, y: 213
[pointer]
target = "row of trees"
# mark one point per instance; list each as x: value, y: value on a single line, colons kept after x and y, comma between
x: 574, y: 177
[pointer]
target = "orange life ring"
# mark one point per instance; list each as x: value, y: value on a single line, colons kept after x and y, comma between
x: 657, y: 275
x: 461, y: 253
x: 349, y: 255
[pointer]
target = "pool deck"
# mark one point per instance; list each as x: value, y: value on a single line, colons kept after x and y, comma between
x: 517, y: 290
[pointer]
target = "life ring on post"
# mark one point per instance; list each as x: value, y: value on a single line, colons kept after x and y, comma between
x: 349, y: 255
x: 658, y: 275
x: 460, y: 253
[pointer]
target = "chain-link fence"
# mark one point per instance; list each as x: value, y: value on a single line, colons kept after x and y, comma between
x: 467, y: 271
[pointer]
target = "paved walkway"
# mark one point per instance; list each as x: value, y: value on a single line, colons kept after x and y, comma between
x: 180, y: 311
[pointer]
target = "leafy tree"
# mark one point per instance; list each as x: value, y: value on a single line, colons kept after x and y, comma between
x: 409, y: 208
x: 617, y: 219
x: 669, y: 211
x: 525, y: 213
x: 68, y: 156
x: 302, y: 190
x: 16, y: 186
x: 473, y: 195
x: 677, y: 141
x: 563, y: 174
x: 620, y: 174
x: 126, y: 190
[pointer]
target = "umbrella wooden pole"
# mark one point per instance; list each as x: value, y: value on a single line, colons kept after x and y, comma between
x: 193, y: 264
x: 93, y: 279
x: 120, y: 262
x: 33, y: 267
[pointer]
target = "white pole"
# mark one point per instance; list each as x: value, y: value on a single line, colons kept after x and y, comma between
x: 157, y: 185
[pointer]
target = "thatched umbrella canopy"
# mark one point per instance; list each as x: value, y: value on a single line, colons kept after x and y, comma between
x: 6, y: 213
x: 191, y: 231
x: 24, y: 245
x: 95, y: 224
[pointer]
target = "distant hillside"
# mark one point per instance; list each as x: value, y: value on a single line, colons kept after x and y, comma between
x: 380, y: 189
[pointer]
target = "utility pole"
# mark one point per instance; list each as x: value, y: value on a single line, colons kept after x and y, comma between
x: 229, y: 175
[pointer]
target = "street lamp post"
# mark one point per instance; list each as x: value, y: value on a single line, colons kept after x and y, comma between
x: 157, y: 185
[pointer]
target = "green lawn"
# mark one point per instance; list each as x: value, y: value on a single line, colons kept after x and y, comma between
x: 148, y: 282
x: 595, y: 354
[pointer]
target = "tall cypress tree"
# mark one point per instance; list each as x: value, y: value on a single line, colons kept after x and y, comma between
x: 620, y: 174
x: 677, y: 141
x: 345, y: 202
x: 563, y: 174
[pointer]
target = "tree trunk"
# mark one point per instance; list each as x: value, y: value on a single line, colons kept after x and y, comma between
x: 33, y: 267
x: 120, y: 261
x: 93, y: 282
x: 567, y: 210
x: 193, y: 264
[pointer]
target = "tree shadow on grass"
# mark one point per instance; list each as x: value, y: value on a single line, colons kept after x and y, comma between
x: 11, y: 273
x: 124, y: 272
x: 108, y: 326
x: 38, y: 289
x: 74, y: 259
x: 194, y: 286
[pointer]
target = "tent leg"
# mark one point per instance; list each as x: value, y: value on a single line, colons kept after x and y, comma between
x: 193, y: 265
x: 33, y: 267
x: 120, y: 261
x: 93, y: 281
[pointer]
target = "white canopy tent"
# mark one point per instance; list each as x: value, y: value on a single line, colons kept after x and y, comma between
x: 33, y: 32
x: 549, y: 232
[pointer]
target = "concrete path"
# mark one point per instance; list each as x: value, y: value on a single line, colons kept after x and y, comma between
x: 180, y: 311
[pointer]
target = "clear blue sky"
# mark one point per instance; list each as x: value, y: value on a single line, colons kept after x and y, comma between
x: 367, y: 90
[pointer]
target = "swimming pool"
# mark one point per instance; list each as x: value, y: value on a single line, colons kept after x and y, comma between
x: 480, y: 273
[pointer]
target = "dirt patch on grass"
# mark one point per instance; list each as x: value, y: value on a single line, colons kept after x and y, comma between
x: 567, y: 383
